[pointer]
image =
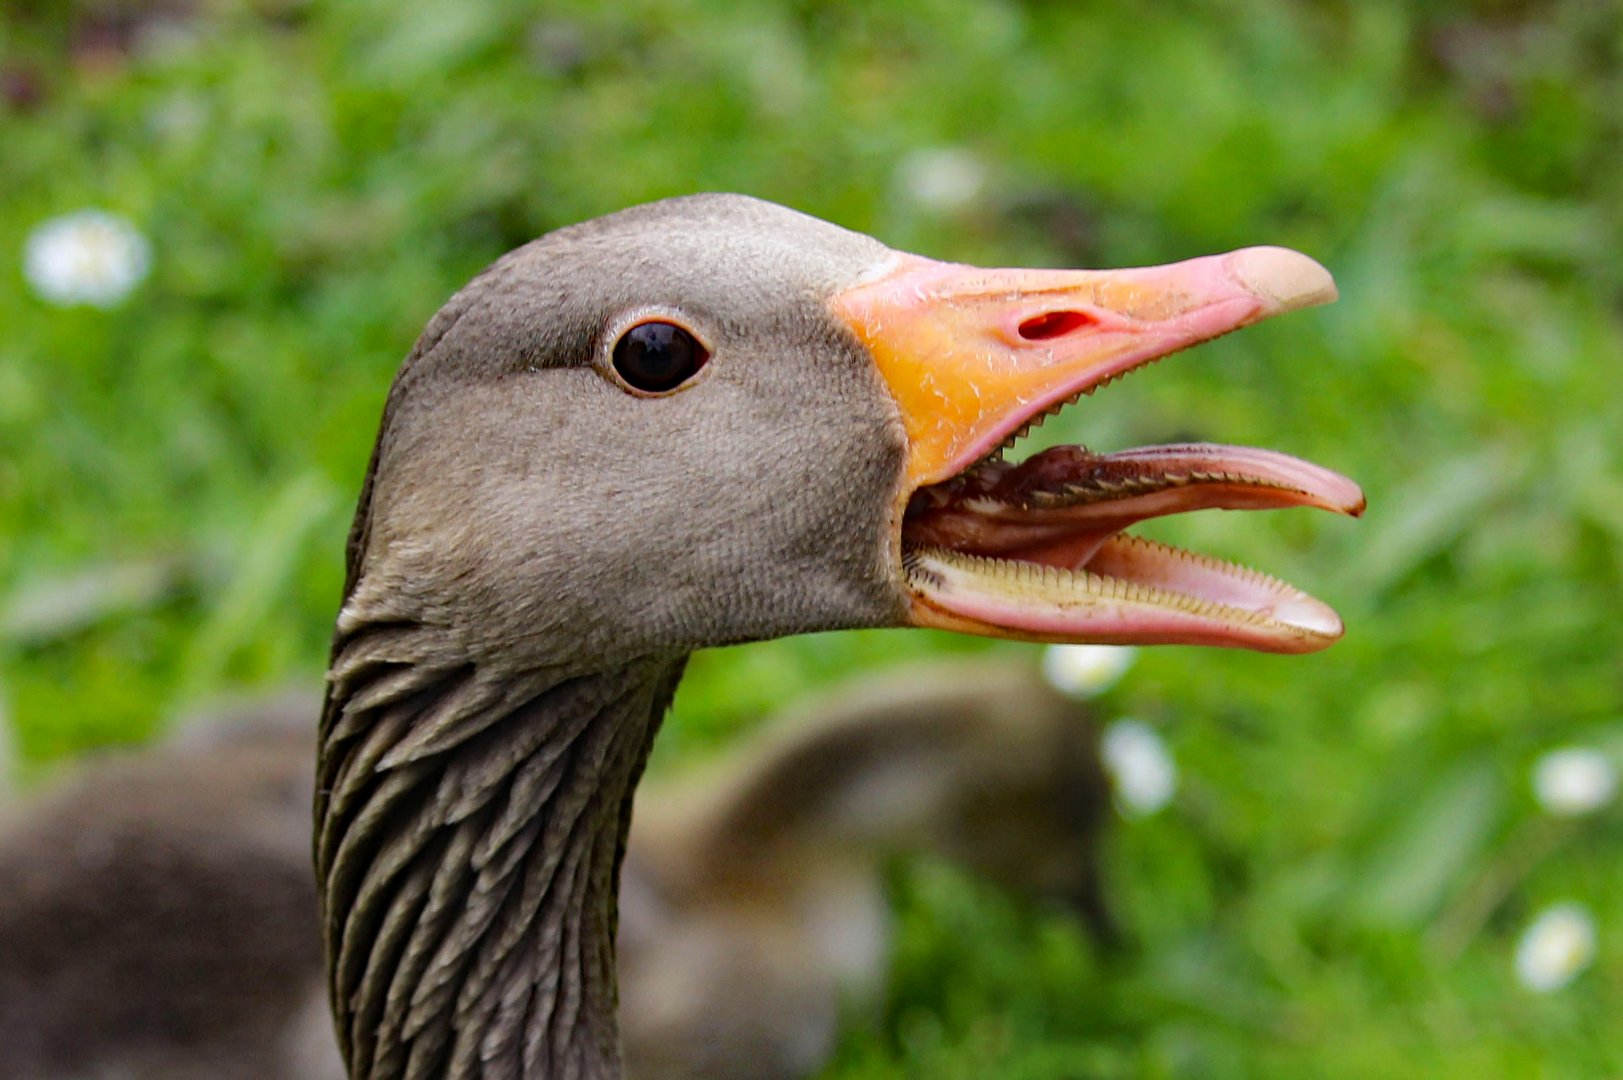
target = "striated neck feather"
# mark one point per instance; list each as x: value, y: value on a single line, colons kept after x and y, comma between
x: 470, y: 825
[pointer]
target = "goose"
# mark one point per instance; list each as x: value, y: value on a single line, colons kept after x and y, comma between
x: 158, y: 916
x: 753, y: 909
x: 698, y: 422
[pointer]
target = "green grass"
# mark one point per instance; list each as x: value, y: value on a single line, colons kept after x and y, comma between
x: 1338, y: 888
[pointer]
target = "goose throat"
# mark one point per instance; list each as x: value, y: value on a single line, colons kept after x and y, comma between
x: 471, y: 831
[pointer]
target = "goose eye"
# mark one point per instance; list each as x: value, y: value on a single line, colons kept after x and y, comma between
x: 658, y: 356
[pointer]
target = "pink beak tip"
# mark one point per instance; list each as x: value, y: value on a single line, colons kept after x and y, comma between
x: 1287, y: 280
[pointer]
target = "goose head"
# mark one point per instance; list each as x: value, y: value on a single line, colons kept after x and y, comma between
x: 703, y: 421
x: 713, y: 419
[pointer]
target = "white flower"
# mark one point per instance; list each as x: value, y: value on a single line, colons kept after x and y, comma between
x: 1140, y: 767
x: 1085, y: 671
x: 180, y: 117
x: 942, y: 178
x: 1555, y: 947
x: 1574, y: 780
x: 87, y: 257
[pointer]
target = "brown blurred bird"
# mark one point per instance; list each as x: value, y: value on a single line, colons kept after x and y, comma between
x: 158, y: 920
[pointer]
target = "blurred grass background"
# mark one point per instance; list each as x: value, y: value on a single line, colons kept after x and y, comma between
x: 1338, y: 888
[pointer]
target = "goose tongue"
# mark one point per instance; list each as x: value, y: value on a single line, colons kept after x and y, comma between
x: 1060, y: 506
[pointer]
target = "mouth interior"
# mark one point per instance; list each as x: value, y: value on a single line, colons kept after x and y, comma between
x: 1044, y: 548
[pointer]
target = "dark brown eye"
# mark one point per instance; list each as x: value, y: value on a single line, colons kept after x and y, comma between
x: 658, y: 356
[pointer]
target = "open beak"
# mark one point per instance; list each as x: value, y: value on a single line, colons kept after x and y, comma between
x: 974, y: 357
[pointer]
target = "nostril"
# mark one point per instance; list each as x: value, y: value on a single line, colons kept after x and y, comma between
x: 1053, y: 324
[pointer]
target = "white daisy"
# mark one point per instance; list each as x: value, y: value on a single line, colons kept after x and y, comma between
x: 87, y: 257
x: 1140, y: 766
x: 942, y: 179
x: 1556, y: 947
x: 1574, y: 780
x: 1085, y: 671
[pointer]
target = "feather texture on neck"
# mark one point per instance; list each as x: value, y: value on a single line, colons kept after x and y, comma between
x: 470, y: 828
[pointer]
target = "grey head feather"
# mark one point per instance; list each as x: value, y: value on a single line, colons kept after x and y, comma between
x: 523, y: 501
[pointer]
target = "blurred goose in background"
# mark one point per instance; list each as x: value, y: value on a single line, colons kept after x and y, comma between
x: 752, y: 903
x: 158, y: 914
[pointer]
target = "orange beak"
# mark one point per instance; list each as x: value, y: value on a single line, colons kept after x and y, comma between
x: 971, y: 354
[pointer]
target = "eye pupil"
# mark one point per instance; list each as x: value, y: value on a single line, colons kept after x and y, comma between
x: 658, y: 356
